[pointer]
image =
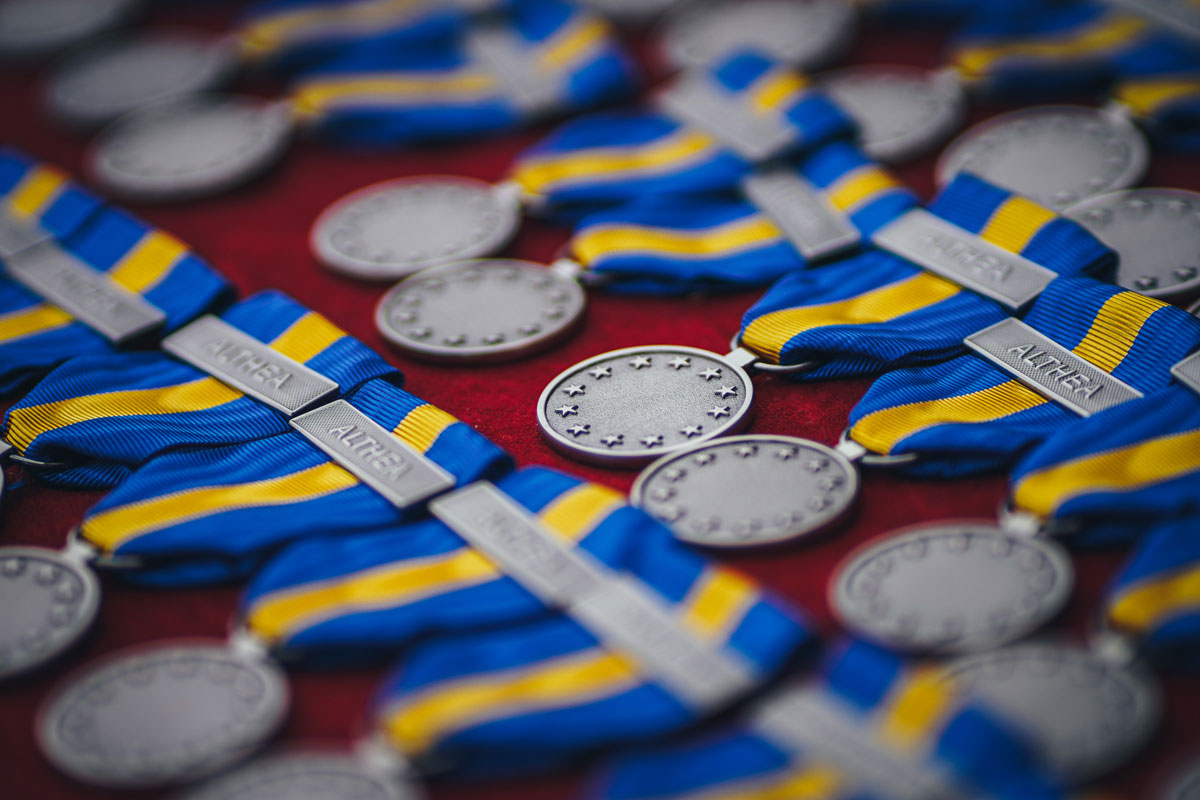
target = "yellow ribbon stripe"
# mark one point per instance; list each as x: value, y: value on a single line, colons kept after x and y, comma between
x: 1123, y: 469
x: 307, y: 337
x: 144, y: 266
x: 767, y: 335
x: 26, y: 424
x: 1145, y: 606
x: 574, y: 513
x: 270, y: 33
x: 315, y: 96
x: 1115, y: 329
x: 860, y: 186
x: 280, y: 614
x: 36, y: 191
x: 1108, y: 33
x: 816, y: 782
x: 717, y: 602
x: 31, y: 321
x: 1015, y: 222
x: 571, y: 43
x: 422, y: 426
x: 776, y: 89
x: 915, y: 710
x: 538, y: 174
x: 415, y: 723
x: 742, y: 234
x: 1146, y: 96
x: 110, y: 529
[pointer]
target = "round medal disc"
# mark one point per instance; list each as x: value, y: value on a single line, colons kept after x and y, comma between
x: 1056, y: 155
x: 35, y: 27
x: 118, y: 76
x: 742, y: 491
x: 1085, y: 714
x: 957, y: 587
x: 164, y: 715
x: 901, y: 111
x: 630, y: 406
x: 1184, y: 784
x: 1156, y: 233
x: 190, y: 146
x: 484, y: 310
x: 807, y: 33
x: 302, y: 776
x: 629, y: 11
x: 395, y: 228
x: 48, y: 601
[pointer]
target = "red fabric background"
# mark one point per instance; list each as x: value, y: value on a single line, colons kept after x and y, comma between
x: 258, y: 237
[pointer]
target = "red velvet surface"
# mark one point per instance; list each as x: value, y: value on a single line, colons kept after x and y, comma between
x: 258, y: 236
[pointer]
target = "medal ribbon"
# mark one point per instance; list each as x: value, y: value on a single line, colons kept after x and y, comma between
x: 909, y: 714
x: 1113, y: 474
x: 41, y: 195
x: 966, y: 415
x: 379, y: 94
x: 105, y: 414
x: 617, y: 157
x: 1161, y: 90
x: 379, y: 591
x: 876, y: 311
x: 36, y: 335
x: 1155, y: 599
x: 176, y: 512
x: 711, y: 242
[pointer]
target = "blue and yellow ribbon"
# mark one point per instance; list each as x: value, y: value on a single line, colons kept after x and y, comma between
x: 42, y: 195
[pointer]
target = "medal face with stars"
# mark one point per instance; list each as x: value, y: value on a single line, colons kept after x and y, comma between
x: 743, y: 491
x: 630, y: 406
x: 482, y: 310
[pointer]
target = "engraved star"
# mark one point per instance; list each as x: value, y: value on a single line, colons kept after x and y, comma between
x: 554, y: 313
x: 434, y: 284
x: 692, y: 430
x: 786, y: 453
x: 703, y: 459
x: 726, y: 391
x: 566, y: 411
x: 717, y: 412
x: 669, y: 513
x: 747, y: 450
x: 456, y: 340
x: 600, y: 372
x: 816, y: 464
x: 662, y: 494
x: 640, y: 361
x: 495, y: 338
x: 420, y: 333
x: 530, y: 330
x: 406, y: 316
x: 650, y: 441
x: 674, y: 474
x: 613, y: 439
x: 573, y: 390
x: 710, y: 374
x: 579, y: 430
x: 679, y: 362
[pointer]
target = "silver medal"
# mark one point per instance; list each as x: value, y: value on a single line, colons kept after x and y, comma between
x: 190, y: 147
x: 630, y: 406
x: 950, y: 588
x: 121, y: 75
x: 48, y: 601
x: 395, y: 228
x: 806, y: 33
x: 31, y: 28
x: 1156, y: 233
x: 160, y: 716
x: 303, y: 776
x: 1056, y: 155
x: 629, y: 11
x: 486, y: 310
x: 1184, y: 785
x: 901, y: 111
x: 748, y: 490
x: 1085, y: 714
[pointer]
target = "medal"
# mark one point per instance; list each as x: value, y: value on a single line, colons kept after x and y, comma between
x: 1156, y: 233
x: 806, y: 34
x: 748, y: 490
x: 50, y: 601
x: 36, y: 28
x: 305, y: 775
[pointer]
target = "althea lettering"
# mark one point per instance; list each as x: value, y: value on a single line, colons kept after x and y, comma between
x: 963, y: 254
x: 92, y: 293
x: 248, y: 363
x: 1056, y: 369
x: 374, y: 454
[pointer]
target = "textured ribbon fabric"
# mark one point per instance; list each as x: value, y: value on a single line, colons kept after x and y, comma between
x: 201, y: 515
x: 966, y: 415
x: 876, y: 311
x: 617, y: 157
x: 379, y: 591
x: 1155, y: 599
x: 1114, y: 474
x: 289, y: 34
x: 36, y: 336
x: 681, y: 244
x: 43, y: 195
x: 944, y: 12
x: 104, y: 415
x: 909, y: 713
x: 381, y: 94
x: 1161, y: 90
